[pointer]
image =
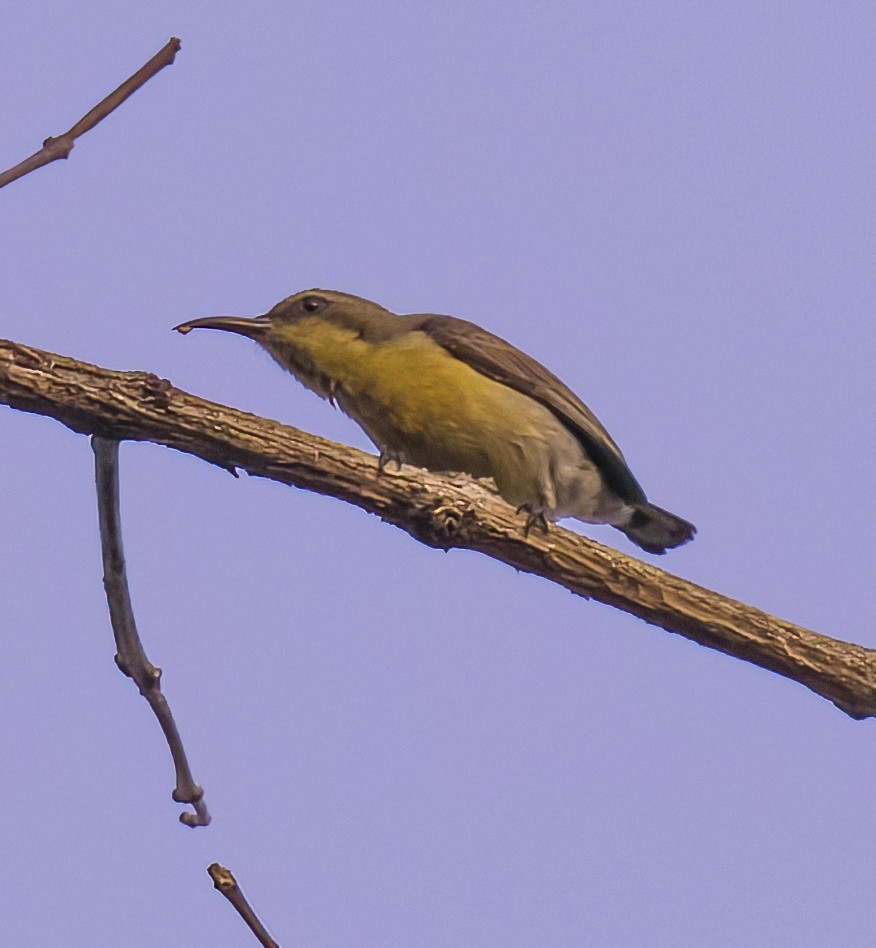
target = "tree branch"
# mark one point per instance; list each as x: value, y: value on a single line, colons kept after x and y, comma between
x: 224, y: 882
x: 61, y: 145
x: 130, y: 656
x: 442, y: 512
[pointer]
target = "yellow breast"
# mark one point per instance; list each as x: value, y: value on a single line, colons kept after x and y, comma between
x: 416, y: 400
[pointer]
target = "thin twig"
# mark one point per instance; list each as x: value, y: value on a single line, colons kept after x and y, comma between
x: 130, y: 656
x: 225, y: 882
x: 60, y: 146
x: 440, y: 511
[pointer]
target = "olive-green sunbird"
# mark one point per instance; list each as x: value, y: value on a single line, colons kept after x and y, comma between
x: 443, y: 394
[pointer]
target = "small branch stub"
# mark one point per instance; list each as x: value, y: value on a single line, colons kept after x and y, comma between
x: 225, y: 883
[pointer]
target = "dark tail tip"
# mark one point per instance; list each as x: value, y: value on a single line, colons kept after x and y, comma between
x: 656, y: 530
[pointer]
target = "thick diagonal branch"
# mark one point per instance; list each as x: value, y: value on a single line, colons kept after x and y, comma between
x: 439, y: 511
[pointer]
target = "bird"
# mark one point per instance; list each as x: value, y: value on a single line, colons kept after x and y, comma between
x: 441, y: 393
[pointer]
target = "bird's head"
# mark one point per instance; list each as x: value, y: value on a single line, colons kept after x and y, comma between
x: 305, y: 332
x: 328, y: 306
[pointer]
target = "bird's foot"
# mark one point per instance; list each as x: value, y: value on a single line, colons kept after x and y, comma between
x: 534, y: 517
x: 384, y: 458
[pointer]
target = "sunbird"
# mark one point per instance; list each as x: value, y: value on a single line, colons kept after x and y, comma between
x: 443, y: 394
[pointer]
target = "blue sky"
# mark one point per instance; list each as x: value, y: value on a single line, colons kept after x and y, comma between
x: 672, y: 206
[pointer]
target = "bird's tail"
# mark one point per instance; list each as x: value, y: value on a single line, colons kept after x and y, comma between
x: 656, y: 530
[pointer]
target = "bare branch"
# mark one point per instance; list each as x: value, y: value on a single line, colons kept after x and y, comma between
x: 225, y: 882
x: 61, y: 145
x: 130, y: 656
x: 440, y: 511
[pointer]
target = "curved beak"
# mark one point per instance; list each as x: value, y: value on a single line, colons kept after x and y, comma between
x: 254, y: 327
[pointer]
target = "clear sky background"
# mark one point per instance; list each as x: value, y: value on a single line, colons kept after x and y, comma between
x: 671, y: 205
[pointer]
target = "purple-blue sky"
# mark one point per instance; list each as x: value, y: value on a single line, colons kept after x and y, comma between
x: 672, y: 206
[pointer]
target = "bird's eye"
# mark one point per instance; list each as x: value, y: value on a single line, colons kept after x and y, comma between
x: 312, y: 304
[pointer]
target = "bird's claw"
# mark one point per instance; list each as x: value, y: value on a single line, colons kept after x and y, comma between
x: 384, y: 458
x: 534, y: 518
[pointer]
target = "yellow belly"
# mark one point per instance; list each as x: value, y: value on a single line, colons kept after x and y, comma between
x: 422, y: 405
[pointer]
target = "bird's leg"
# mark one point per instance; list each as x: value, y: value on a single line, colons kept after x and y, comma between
x: 534, y: 516
x: 385, y: 457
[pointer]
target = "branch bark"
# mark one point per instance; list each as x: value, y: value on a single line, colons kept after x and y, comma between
x: 442, y: 512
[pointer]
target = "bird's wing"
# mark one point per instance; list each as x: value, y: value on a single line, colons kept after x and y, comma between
x: 499, y: 360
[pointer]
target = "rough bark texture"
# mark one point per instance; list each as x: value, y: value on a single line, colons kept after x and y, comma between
x: 443, y: 512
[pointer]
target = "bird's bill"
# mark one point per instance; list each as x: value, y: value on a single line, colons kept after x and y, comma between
x: 243, y: 325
